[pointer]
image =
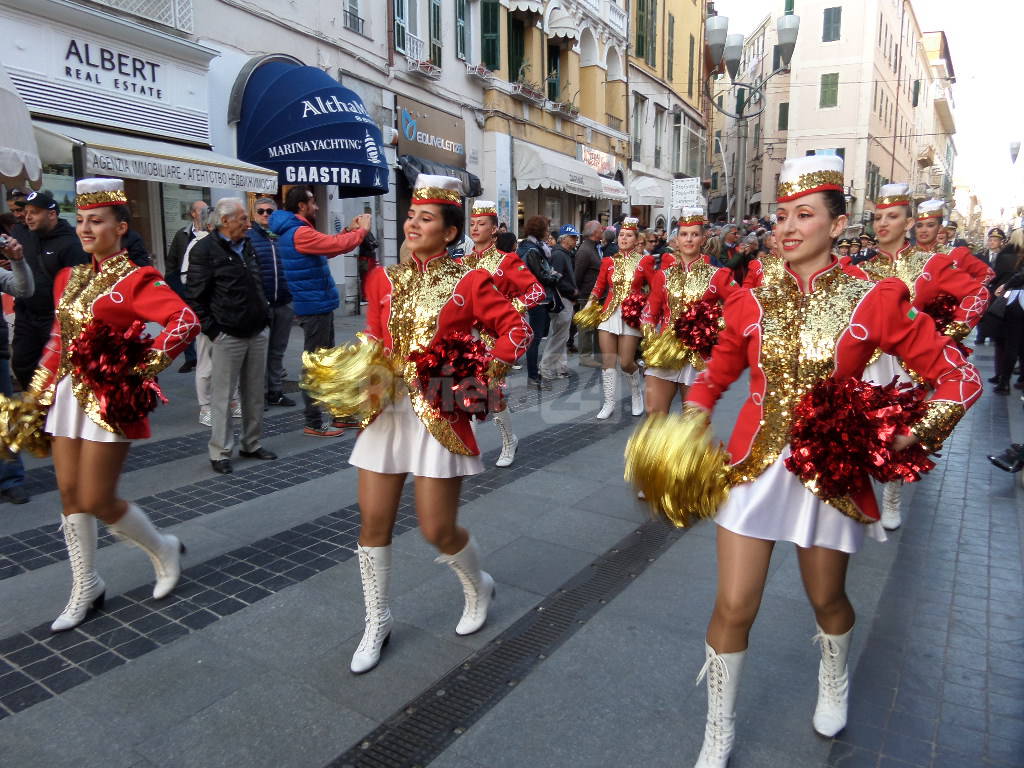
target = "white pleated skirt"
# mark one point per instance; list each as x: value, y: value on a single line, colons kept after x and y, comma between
x: 777, y: 507
x: 685, y: 375
x: 883, y: 369
x: 397, y: 442
x: 66, y: 418
x: 615, y: 324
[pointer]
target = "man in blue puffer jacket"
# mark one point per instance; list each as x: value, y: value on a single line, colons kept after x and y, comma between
x: 275, y: 288
x: 304, y: 252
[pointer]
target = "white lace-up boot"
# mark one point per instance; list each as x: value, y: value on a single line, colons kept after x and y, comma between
x: 833, y: 683
x: 375, y: 572
x: 636, y: 386
x: 87, y: 588
x: 164, y: 549
x: 477, y: 587
x: 892, y: 496
x: 509, y: 442
x: 723, y: 681
x: 610, y: 391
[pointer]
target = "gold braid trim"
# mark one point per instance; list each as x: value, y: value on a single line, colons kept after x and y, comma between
x: 934, y: 427
x: 155, y: 361
x: 39, y: 389
x: 958, y: 330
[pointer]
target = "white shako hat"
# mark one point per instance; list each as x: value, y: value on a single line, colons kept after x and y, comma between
x: 99, y: 192
x: 808, y: 174
x: 437, y: 190
x: 630, y: 222
x: 931, y: 209
x: 690, y: 217
x: 484, y: 208
x: 891, y: 195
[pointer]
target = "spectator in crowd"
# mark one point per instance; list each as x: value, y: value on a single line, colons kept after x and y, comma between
x: 173, y: 269
x: 16, y: 281
x: 730, y: 236
x: 15, y: 198
x: 1001, y: 258
x: 533, y: 250
x: 506, y: 242
x: 587, y: 265
x: 49, y: 244
x: 713, y: 249
x: 136, y: 247
x: 610, y: 238
x: 226, y: 292
x: 555, y: 364
x: 503, y: 227
x: 275, y: 288
x: 304, y: 252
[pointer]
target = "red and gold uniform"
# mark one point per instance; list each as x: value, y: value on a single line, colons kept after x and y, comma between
x: 643, y: 277
x: 116, y: 292
x: 614, y: 281
x: 512, y: 277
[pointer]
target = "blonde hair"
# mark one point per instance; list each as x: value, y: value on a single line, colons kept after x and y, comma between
x: 1017, y: 240
x: 713, y: 247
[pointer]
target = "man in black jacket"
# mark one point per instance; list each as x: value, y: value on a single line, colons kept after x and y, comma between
x: 532, y: 251
x: 49, y: 245
x: 172, y: 268
x: 555, y: 364
x: 1002, y: 260
x: 585, y: 270
x: 225, y: 290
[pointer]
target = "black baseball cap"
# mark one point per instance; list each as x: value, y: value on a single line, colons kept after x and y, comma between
x: 42, y: 200
x: 15, y: 193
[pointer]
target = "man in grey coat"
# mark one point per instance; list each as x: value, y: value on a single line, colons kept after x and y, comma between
x: 587, y: 267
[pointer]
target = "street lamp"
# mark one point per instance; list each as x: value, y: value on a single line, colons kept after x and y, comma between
x: 723, y: 47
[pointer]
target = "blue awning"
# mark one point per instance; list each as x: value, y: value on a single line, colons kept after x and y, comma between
x: 310, y: 129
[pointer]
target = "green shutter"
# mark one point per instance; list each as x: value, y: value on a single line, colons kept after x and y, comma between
x: 516, y: 47
x: 490, y: 31
x: 829, y: 96
x: 784, y: 116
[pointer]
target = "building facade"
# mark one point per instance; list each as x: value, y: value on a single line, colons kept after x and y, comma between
x: 668, y: 130
x: 865, y: 82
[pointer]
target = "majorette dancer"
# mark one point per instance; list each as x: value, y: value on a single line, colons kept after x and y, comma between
x: 680, y: 320
x: 515, y: 281
x: 816, y: 329
x: 938, y: 287
x: 419, y: 321
x: 617, y: 339
x: 96, y: 304
x: 930, y: 234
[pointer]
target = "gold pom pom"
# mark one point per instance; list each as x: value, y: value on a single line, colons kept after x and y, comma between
x: 672, y: 460
x: 350, y: 380
x: 589, y: 316
x: 664, y: 350
x: 22, y: 427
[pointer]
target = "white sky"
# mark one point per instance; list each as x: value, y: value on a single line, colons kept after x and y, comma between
x: 984, y: 36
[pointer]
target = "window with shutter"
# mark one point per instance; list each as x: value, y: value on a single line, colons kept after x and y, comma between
x: 401, y: 26
x: 490, y: 35
x: 784, y: 116
x: 829, y: 96
x: 832, y: 24
x: 460, y: 29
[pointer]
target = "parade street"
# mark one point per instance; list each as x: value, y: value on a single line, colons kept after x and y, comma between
x: 590, y: 651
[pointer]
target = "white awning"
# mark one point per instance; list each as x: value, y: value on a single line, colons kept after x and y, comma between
x: 537, y: 167
x: 755, y: 198
x: 133, y: 157
x: 613, y: 190
x: 647, y: 190
x: 19, y: 158
x: 529, y: 6
x: 562, y: 24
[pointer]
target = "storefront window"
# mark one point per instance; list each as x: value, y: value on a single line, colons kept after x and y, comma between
x: 177, y: 200
x: 59, y: 181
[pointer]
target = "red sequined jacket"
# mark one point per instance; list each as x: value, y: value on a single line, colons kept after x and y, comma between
x: 645, y: 270
x: 615, y: 280
x: 790, y: 338
x: 118, y: 293
x: 929, y: 275
x: 513, y: 278
x: 701, y: 282
x: 413, y: 306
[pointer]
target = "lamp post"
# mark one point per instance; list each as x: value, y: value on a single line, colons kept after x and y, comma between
x: 728, y: 49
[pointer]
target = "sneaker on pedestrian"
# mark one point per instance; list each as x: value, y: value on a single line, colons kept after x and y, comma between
x: 279, y: 399
x: 322, y: 430
x: 343, y: 423
x: 205, y: 416
x: 187, y: 367
x: 16, y: 494
x: 236, y: 411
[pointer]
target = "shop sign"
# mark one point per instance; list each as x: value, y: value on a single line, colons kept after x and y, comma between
x: 602, y: 162
x: 430, y: 133
x: 105, y: 162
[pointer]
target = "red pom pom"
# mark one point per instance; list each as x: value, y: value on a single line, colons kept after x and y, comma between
x: 843, y: 431
x: 452, y: 375
x: 106, y: 360
x: 697, y: 327
x: 632, y: 307
x: 941, y: 309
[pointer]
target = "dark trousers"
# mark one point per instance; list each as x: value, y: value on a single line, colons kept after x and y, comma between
x: 317, y: 333
x: 31, y: 333
x: 280, y: 329
x: 12, y: 471
x: 1010, y: 347
x: 539, y: 323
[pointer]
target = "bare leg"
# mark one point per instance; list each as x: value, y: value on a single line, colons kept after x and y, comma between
x: 437, y: 506
x: 65, y: 451
x: 683, y: 389
x: 379, y: 495
x: 824, y: 575
x: 609, y: 348
x: 627, y: 352
x: 742, y: 572
x: 99, y: 469
x: 658, y: 394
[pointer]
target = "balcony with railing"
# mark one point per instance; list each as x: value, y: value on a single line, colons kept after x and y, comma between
x: 353, y: 22
x: 615, y: 16
x: 417, y: 58
x: 176, y: 14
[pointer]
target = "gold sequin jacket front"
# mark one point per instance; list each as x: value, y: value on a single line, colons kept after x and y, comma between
x: 615, y: 279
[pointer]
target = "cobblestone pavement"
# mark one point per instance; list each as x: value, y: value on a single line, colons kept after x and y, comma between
x: 590, y: 653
